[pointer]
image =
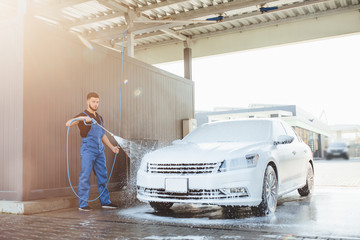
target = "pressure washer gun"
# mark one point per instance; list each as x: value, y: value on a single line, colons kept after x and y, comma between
x: 93, y: 122
x: 118, y: 139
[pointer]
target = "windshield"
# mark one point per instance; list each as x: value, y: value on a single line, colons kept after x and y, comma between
x: 338, y: 145
x: 232, y: 131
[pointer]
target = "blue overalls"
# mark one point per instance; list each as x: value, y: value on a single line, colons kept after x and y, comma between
x: 93, y: 158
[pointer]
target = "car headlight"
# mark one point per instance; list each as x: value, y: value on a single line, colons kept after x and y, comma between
x: 144, y: 166
x: 250, y: 160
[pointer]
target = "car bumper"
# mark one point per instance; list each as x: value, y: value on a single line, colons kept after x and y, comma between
x: 337, y: 154
x: 236, y: 188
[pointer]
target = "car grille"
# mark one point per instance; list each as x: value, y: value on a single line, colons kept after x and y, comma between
x: 201, y: 194
x: 182, y: 169
x: 336, y: 151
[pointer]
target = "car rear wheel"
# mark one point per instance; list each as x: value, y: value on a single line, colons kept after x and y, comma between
x: 269, y: 193
x: 309, y: 186
x: 161, y: 206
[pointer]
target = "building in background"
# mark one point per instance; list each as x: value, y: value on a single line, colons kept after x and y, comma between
x: 314, y: 132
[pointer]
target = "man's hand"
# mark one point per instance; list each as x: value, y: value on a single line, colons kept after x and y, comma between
x: 87, y: 119
x: 106, y: 141
x: 115, y: 149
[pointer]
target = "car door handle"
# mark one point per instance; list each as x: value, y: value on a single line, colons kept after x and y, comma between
x: 294, y: 152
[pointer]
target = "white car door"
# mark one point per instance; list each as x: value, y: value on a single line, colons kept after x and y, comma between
x: 286, y: 159
x: 298, y: 168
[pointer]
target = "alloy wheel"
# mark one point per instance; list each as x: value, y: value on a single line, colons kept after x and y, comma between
x: 271, y: 190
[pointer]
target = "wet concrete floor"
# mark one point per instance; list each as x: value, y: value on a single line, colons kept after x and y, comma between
x: 332, y: 212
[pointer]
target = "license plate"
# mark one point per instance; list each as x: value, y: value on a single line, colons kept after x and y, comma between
x: 179, y: 185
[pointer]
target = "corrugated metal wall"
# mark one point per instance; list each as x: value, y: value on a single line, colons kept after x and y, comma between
x: 59, y: 72
x: 11, y: 105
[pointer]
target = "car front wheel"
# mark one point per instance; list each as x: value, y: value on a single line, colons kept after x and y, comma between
x: 269, y: 193
x: 161, y: 206
x: 309, y: 186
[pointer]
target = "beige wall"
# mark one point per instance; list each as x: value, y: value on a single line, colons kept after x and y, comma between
x: 58, y: 73
x: 11, y: 105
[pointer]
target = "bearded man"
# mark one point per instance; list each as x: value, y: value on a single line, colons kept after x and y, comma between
x: 92, y: 154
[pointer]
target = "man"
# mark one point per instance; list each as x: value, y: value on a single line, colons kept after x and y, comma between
x: 92, y: 154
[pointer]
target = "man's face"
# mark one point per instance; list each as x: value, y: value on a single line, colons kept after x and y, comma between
x: 93, y: 103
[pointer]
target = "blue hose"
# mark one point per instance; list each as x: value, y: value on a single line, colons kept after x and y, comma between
x: 79, y: 119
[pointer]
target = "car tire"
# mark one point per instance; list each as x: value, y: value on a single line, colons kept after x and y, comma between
x: 309, y: 186
x: 161, y: 206
x: 346, y: 157
x: 269, y: 193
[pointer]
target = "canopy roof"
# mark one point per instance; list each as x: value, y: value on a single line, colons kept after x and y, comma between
x: 161, y: 22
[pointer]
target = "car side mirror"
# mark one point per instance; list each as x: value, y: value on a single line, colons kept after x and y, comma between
x: 177, y: 141
x: 284, y: 139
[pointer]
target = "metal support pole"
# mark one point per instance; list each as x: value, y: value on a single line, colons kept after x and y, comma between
x: 188, y: 63
x: 22, y: 7
x: 130, y: 45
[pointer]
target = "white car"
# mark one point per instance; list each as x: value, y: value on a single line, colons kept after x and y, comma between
x: 234, y: 163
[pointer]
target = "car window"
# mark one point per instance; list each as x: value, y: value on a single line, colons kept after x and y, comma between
x: 278, y: 129
x: 232, y: 131
x: 298, y: 137
x: 290, y: 131
x: 338, y: 145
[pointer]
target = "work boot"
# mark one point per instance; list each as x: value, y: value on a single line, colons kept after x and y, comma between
x: 110, y: 206
x: 85, y: 209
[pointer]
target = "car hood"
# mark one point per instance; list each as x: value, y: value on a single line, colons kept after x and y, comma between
x: 202, y: 152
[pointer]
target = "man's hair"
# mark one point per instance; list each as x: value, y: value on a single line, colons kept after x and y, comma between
x: 92, y: 94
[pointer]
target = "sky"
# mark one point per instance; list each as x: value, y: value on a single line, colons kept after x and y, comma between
x: 319, y: 76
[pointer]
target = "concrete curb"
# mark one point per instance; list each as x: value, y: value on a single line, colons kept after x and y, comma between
x: 37, y: 206
x: 52, y: 204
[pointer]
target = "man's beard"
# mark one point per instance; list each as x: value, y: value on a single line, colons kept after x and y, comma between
x: 93, y: 108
